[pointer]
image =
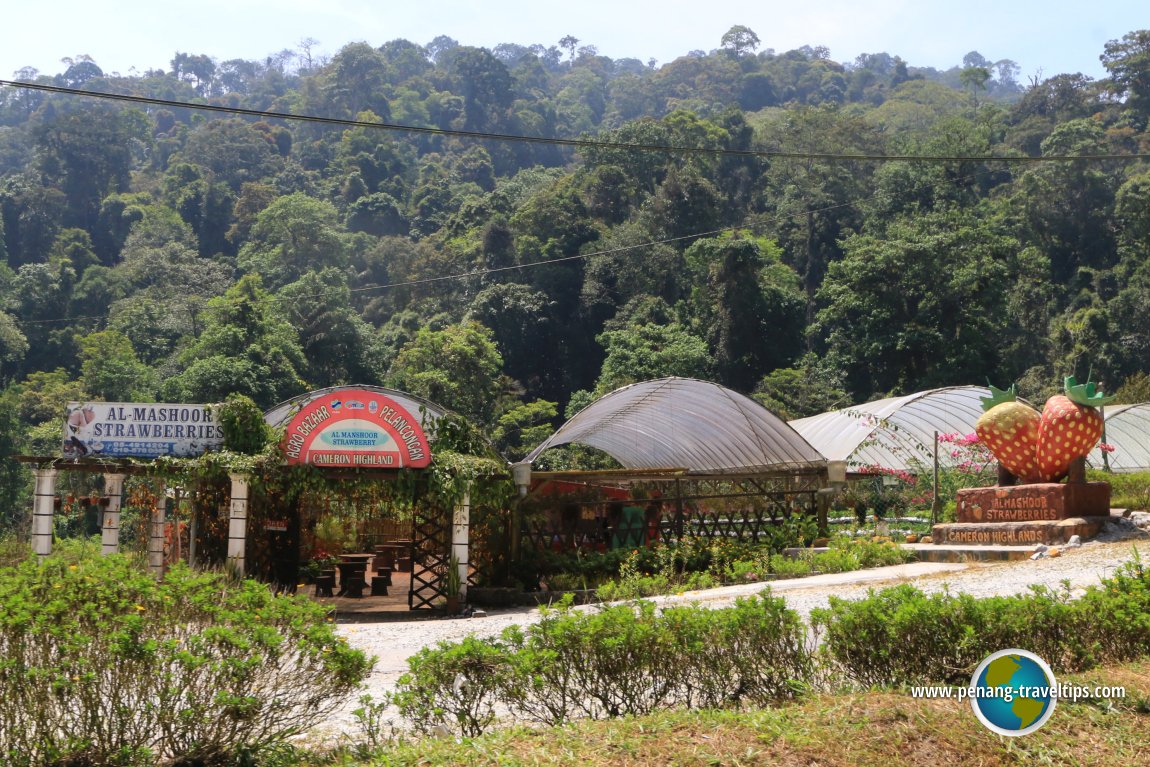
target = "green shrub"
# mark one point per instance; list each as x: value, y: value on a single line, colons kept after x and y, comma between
x: 618, y: 660
x: 755, y: 652
x: 454, y: 685
x: 1127, y: 490
x: 785, y: 566
x: 102, y: 665
x: 901, y: 636
x: 1118, y: 610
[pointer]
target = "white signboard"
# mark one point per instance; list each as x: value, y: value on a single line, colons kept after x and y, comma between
x: 131, y: 429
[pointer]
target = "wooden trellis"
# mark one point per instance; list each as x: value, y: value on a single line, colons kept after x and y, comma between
x: 430, y: 544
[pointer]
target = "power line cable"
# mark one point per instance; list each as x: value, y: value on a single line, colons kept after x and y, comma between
x: 567, y: 142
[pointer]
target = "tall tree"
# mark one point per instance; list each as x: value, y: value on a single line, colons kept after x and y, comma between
x: 920, y: 305
x: 1128, y: 62
x: 246, y: 347
x: 457, y: 367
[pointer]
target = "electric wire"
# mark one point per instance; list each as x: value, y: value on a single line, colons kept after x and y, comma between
x: 566, y: 142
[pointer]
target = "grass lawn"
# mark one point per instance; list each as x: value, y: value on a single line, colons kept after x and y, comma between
x: 869, y: 729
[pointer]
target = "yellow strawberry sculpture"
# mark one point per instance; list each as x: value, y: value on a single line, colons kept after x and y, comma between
x: 1039, y: 447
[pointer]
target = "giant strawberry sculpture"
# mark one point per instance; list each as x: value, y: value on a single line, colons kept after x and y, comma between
x: 1040, y: 447
x: 1009, y: 429
x: 1071, y: 427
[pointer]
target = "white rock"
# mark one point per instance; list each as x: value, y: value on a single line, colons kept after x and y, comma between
x: 1074, y: 542
x: 1038, y: 549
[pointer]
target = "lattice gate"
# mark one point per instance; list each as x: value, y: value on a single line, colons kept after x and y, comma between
x: 430, y: 547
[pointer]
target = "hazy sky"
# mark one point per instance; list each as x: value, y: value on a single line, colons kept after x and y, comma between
x: 1045, y: 37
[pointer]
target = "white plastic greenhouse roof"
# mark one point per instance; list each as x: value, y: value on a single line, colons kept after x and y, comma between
x: 895, y: 433
x: 683, y: 423
x: 1128, y: 430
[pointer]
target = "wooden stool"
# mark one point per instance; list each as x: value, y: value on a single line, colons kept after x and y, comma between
x: 379, y: 585
x: 323, y: 585
x: 385, y: 573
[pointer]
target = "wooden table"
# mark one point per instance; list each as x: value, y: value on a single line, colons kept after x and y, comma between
x: 352, y: 574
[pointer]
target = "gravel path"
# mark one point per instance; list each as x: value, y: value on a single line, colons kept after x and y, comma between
x: 393, y: 642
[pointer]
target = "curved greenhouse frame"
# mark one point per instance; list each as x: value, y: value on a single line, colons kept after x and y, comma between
x: 895, y: 433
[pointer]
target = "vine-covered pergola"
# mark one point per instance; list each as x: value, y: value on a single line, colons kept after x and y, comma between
x: 367, y: 448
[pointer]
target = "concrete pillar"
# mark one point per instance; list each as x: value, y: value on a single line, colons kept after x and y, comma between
x: 238, y: 522
x: 110, y: 519
x: 461, y: 539
x: 156, y: 535
x: 43, y: 511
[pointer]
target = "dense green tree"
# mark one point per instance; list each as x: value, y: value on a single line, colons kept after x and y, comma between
x: 523, y: 324
x: 31, y: 214
x: 86, y: 154
x: 643, y: 352
x: 294, y: 235
x: 110, y: 369
x: 457, y: 367
x: 739, y: 40
x: 742, y: 294
x: 233, y: 150
x: 811, y: 387
x: 355, y: 81
x: 338, y: 346
x: 1128, y: 61
x: 246, y: 347
x: 523, y: 427
x: 13, y: 347
x: 920, y: 305
x: 1067, y: 207
x: 485, y: 85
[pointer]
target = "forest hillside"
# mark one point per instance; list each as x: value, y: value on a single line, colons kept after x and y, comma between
x: 513, y: 232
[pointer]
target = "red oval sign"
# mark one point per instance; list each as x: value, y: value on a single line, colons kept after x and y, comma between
x: 356, y: 428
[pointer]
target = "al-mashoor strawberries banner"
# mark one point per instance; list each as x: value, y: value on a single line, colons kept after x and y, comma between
x: 356, y: 427
x: 132, y: 429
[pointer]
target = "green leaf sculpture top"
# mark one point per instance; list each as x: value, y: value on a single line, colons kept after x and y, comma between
x: 998, y: 396
x: 1085, y: 394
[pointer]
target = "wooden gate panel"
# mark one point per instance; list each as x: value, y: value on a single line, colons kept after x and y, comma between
x: 430, y: 547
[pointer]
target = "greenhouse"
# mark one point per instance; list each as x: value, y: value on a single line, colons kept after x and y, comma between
x: 896, y: 433
x: 1128, y: 432
x: 690, y: 458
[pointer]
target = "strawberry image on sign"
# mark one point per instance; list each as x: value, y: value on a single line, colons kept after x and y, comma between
x: 1009, y: 429
x: 1071, y: 426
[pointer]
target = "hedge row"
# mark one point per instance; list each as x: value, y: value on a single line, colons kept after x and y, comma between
x: 614, y: 661
x: 631, y: 659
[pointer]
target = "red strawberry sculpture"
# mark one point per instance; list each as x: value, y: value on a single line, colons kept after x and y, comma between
x: 1009, y: 429
x: 1071, y: 426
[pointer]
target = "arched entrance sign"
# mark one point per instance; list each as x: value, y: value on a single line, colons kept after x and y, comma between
x: 352, y: 427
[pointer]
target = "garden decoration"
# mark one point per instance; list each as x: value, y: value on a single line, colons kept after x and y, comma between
x: 1036, y: 451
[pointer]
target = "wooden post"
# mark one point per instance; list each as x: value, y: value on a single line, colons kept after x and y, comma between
x: 936, y: 502
x: 43, y: 511
x: 678, y: 509
x: 238, y: 522
x: 110, y: 522
x: 1105, y: 455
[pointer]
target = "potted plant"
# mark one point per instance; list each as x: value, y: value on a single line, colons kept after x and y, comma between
x: 452, y: 585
